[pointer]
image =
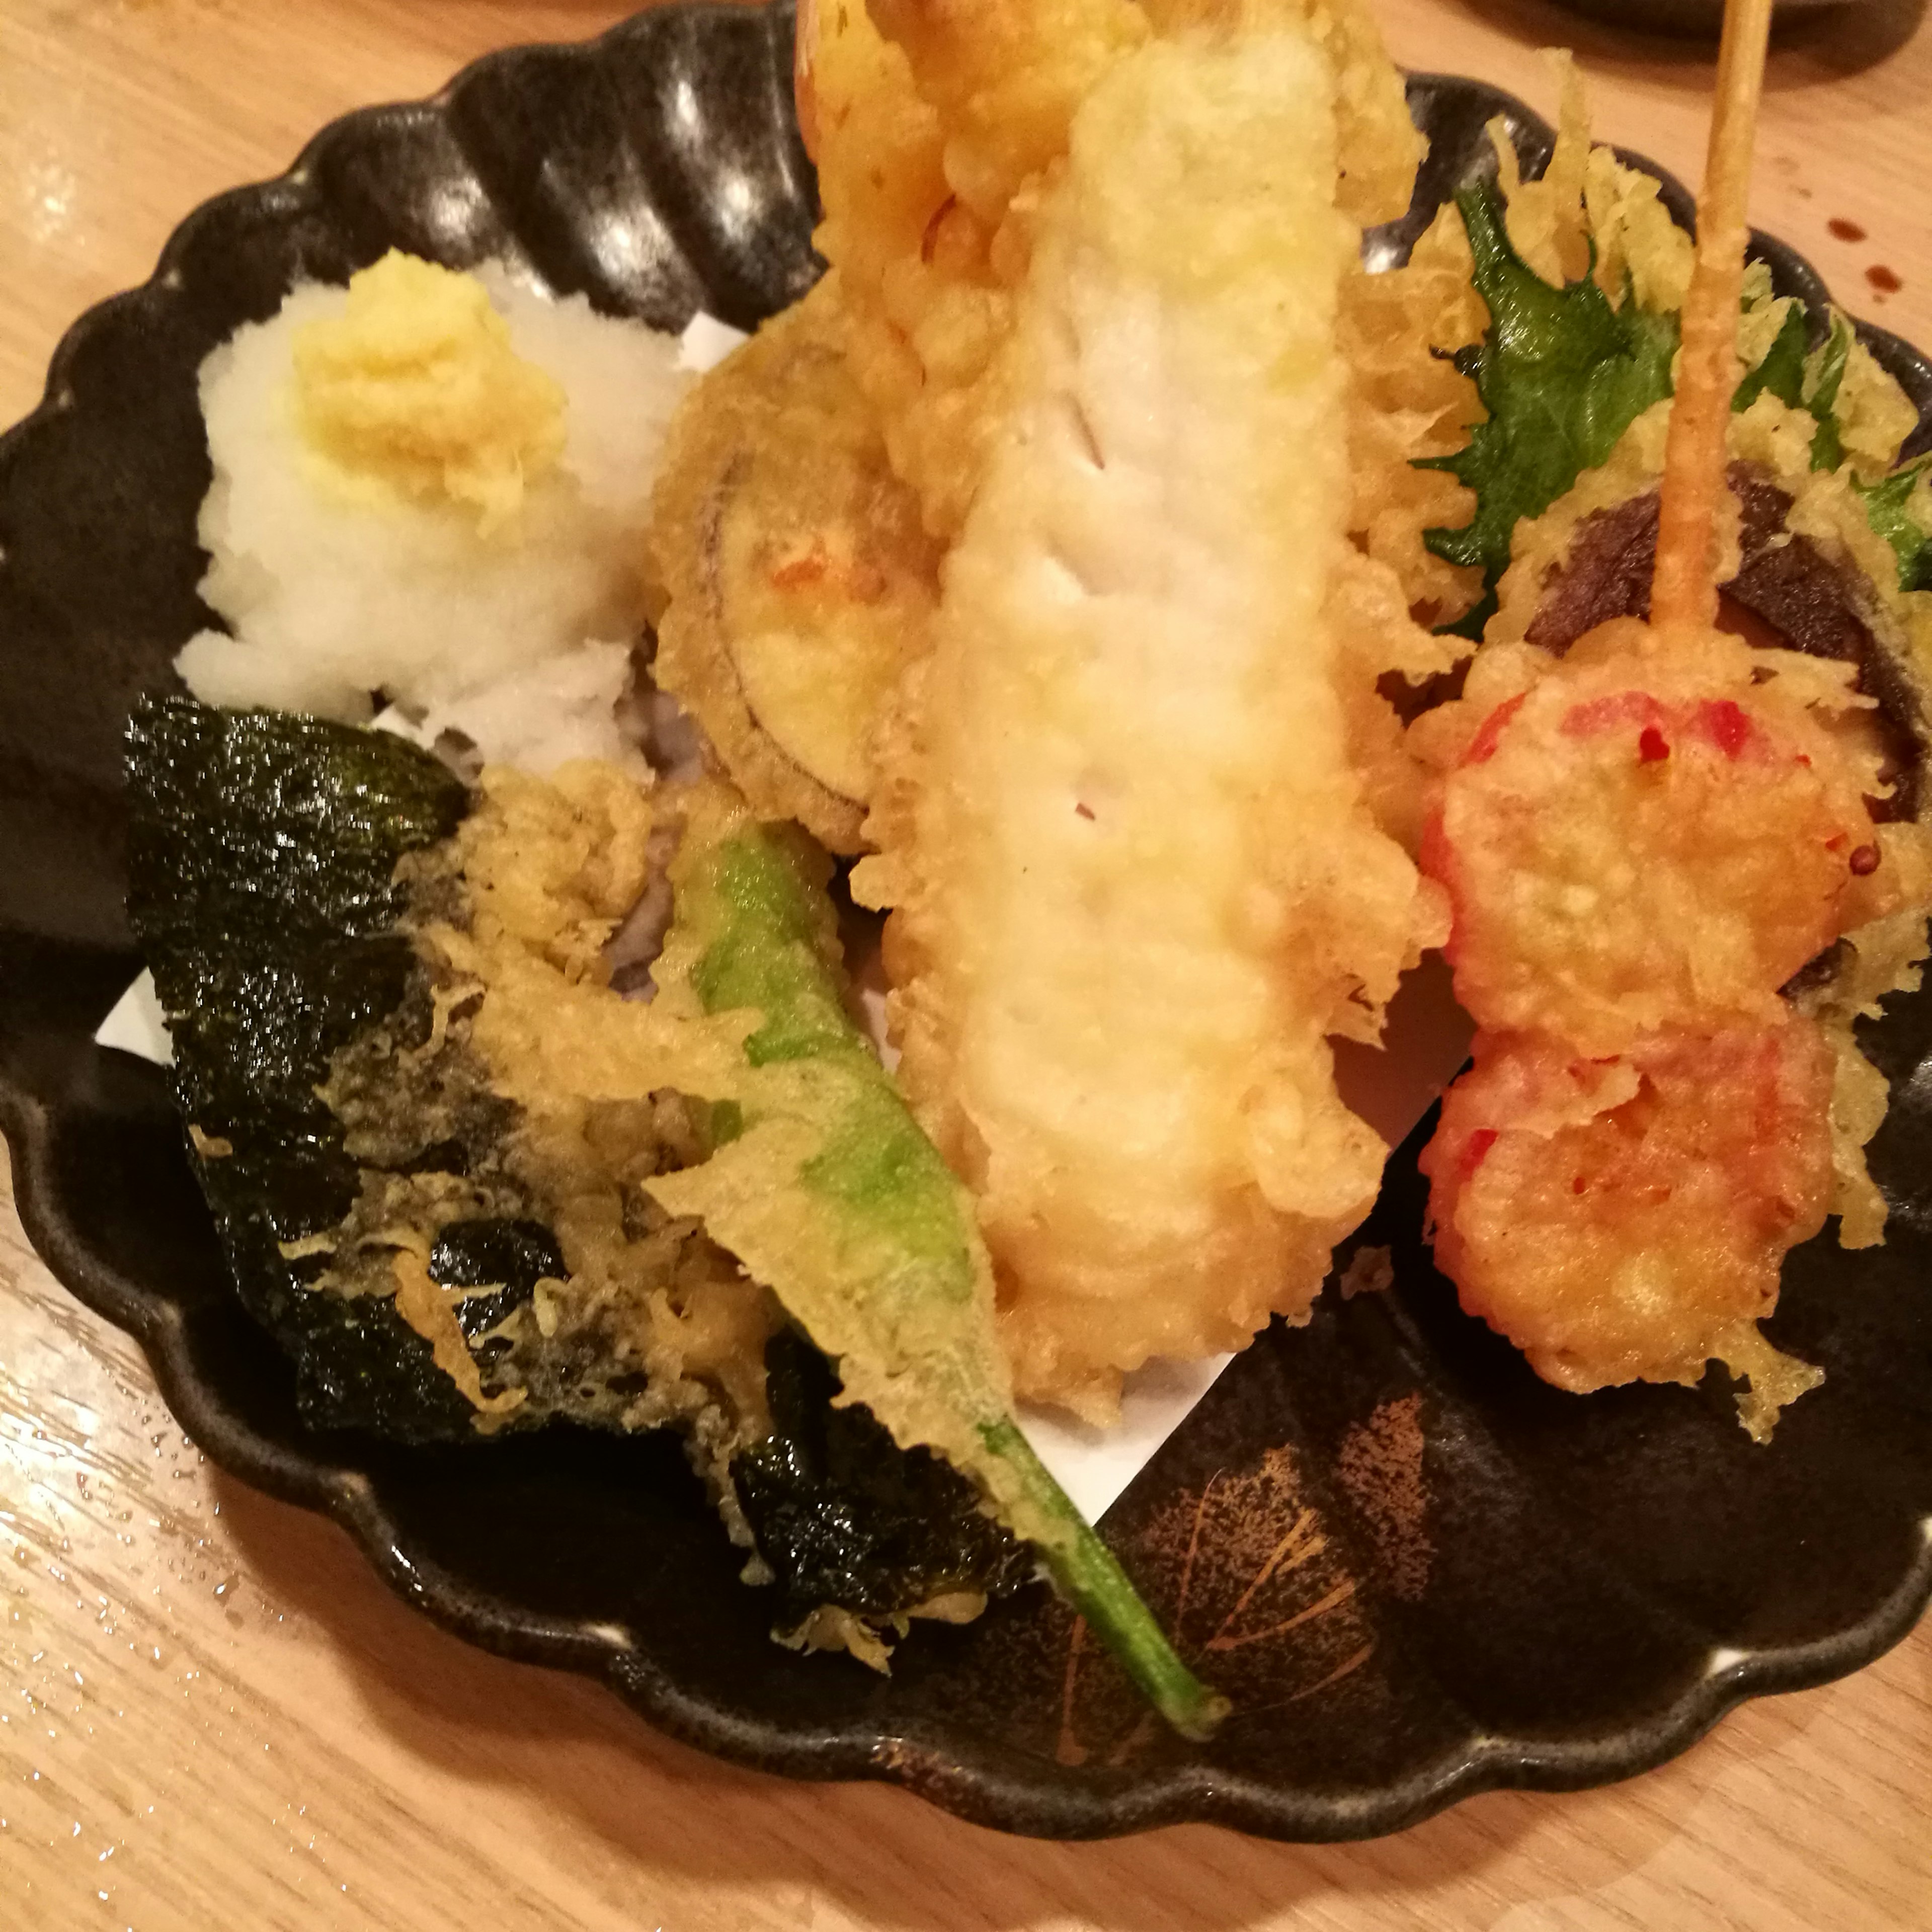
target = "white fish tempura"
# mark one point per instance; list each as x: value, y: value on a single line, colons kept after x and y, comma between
x: 1137, y: 887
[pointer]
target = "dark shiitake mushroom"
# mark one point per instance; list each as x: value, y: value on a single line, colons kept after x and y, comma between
x: 1788, y: 594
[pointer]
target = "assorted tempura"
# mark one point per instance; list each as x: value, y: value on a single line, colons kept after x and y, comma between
x: 1266, y: 647
x: 1183, y: 625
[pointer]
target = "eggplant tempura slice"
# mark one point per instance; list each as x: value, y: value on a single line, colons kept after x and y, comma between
x: 800, y: 580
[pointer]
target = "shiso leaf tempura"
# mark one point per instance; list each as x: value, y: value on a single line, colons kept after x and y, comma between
x: 1900, y: 507
x: 1562, y: 374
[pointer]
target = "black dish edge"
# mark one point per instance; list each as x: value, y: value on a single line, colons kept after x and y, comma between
x: 1061, y: 1805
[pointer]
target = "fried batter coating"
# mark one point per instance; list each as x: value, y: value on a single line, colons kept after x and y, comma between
x: 1409, y: 401
x: 1633, y: 843
x: 935, y: 138
x: 1138, y: 885
x: 1643, y: 844
x: 935, y: 125
x: 801, y: 583
x: 1626, y: 1217
x: 1006, y: 77
x: 1821, y: 561
x: 923, y: 139
x: 1378, y: 146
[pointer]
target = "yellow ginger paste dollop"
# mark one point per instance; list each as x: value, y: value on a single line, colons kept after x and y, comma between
x: 415, y: 391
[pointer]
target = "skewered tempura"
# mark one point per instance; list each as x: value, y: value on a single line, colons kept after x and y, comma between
x: 1644, y: 841
x: 1641, y: 849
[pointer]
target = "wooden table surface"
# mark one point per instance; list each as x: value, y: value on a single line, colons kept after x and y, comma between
x: 212, y: 1717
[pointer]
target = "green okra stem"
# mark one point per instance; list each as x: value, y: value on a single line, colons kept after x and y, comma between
x: 1090, y: 1578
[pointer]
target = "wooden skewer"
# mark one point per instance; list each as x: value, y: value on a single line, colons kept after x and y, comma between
x: 1684, y: 589
x: 805, y: 95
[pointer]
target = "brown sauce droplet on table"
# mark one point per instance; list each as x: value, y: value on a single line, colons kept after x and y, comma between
x: 1845, y: 231
x: 1885, y: 279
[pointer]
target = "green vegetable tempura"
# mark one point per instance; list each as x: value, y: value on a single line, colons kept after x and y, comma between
x: 1562, y: 374
x: 835, y: 1200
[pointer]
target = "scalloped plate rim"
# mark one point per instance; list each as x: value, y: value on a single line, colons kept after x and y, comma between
x: 1057, y: 1802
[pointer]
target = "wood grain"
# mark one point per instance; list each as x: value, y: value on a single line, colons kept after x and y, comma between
x: 212, y: 1716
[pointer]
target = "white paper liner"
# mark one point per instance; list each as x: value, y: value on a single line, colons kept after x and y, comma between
x: 137, y: 1025
x: 1094, y: 1465
x: 705, y: 343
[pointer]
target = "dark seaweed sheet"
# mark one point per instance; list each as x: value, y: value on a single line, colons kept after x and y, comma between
x: 262, y: 864
x: 261, y: 856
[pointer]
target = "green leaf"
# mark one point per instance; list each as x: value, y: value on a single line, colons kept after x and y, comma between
x: 1885, y: 510
x: 1782, y: 371
x: 261, y: 856
x: 1562, y: 374
x: 1788, y: 369
x: 1826, y: 372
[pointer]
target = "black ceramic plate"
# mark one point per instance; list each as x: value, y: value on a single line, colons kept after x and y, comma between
x: 1419, y: 1571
